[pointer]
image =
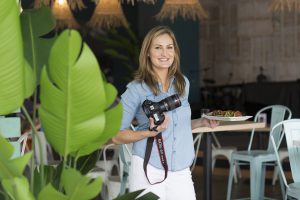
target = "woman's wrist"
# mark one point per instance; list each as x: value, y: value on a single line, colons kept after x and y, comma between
x: 146, y: 133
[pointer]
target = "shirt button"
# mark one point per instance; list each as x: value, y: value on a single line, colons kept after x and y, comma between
x: 175, y: 124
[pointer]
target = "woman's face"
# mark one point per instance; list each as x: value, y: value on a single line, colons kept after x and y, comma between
x: 162, y: 52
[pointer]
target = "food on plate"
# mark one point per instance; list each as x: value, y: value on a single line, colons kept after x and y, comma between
x: 226, y: 113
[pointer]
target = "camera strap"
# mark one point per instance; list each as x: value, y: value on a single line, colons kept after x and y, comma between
x: 162, y: 155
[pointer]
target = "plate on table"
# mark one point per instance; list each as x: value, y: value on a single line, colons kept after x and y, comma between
x: 220, y: 118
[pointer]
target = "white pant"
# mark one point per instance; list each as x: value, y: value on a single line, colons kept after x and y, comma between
x: 177, y: 186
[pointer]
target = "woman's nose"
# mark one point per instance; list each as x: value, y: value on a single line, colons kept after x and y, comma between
x: 164, y: 52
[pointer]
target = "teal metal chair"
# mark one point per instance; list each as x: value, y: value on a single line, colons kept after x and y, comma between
x: 217, y: 151
x: 292, y: 135
x: 125, y: 162
x: 125, y: 154
x: 10, y: 128
x: 258, y: 159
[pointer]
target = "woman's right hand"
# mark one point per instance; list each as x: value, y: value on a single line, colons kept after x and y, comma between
x: 160, y: 128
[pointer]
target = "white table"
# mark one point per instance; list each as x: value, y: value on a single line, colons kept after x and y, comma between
x: 207, y: 158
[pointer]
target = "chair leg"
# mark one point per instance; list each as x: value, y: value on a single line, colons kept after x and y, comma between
x: 230, y: 177
x: 238, y: 171
x: 285, y: 197
x: 235, y: 174
x: 282, y: 187
x: 275, y: 175
x: 256, y: 180
x: 254, y: 177
x: 213, y: 163
x: 262, y: 181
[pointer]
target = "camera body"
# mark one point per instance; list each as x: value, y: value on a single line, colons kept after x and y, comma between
x: 156, y: 109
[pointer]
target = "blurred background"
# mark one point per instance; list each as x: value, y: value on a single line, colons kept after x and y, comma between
x: 239, y: 55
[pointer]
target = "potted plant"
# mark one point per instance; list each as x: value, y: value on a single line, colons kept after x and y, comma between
x: 76, y: 111
x: 124, y: 48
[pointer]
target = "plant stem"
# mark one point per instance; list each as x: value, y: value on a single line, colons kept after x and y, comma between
x: 34, y: 131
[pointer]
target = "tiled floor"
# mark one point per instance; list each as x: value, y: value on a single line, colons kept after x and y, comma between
x: 240, y: 190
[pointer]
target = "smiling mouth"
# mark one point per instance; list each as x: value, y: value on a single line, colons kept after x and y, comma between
x: 163, y: 59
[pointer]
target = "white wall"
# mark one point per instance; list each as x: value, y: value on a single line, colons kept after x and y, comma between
x: 242, y: 35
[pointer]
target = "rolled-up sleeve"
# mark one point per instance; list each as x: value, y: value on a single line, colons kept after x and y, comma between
x: 131, y: 102
x: 187, y: 86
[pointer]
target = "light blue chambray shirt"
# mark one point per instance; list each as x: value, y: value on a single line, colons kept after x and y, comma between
x: 178, y: 139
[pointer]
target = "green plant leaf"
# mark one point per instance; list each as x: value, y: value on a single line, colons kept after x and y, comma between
x: 113, y: 53
x: 10, y: 168
x: 148, y: 196
x: 50, y: 193
x: 36, y: 23
x: 110, y: 42
x: 30, y: 80
x: 11, y: 59
x: 86, y: 163
x: 49, y: 177
x: 124, y: 47
x: 113, y: 121
x: 17, y: 188
x: 76, y: 186
x: 133, y: 195
x: 112, y: 126
x: 111, y: 94
x: 129, y: 196
x: 73, y: 97
x: 80, y: 187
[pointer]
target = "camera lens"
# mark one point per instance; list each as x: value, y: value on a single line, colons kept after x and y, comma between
x: 156, y: 109
x: 171, y: 102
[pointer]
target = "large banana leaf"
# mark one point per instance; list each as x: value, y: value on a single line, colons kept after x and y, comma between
x: 35, y: 24
x: 74, y: 98
x: 11, y: 60
x: 76, y: 186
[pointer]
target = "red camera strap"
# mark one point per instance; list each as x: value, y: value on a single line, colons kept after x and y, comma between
x: 162, y: 155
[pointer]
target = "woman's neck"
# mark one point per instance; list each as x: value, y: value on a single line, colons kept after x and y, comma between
x: 163, y: 78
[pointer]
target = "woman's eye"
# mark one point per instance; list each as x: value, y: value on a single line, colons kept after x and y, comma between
x: 157, y: 48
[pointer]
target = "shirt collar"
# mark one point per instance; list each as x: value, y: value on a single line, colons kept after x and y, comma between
x: 171, y: 80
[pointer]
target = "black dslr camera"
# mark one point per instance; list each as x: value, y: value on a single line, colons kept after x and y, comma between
x: 156, y: 109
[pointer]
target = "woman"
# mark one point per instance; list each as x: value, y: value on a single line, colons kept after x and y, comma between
x: 158, y: 77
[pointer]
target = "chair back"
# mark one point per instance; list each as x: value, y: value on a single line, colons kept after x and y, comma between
x: 278, y: 113
x: 292, y: 135
x: 125, y: 154
x: 10, y: 128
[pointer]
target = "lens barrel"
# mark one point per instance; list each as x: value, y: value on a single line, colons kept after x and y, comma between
x: 170, y: 103
x: 156, y: 109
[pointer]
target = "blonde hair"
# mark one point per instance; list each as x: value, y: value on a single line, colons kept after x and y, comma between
x: 145, y: 71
